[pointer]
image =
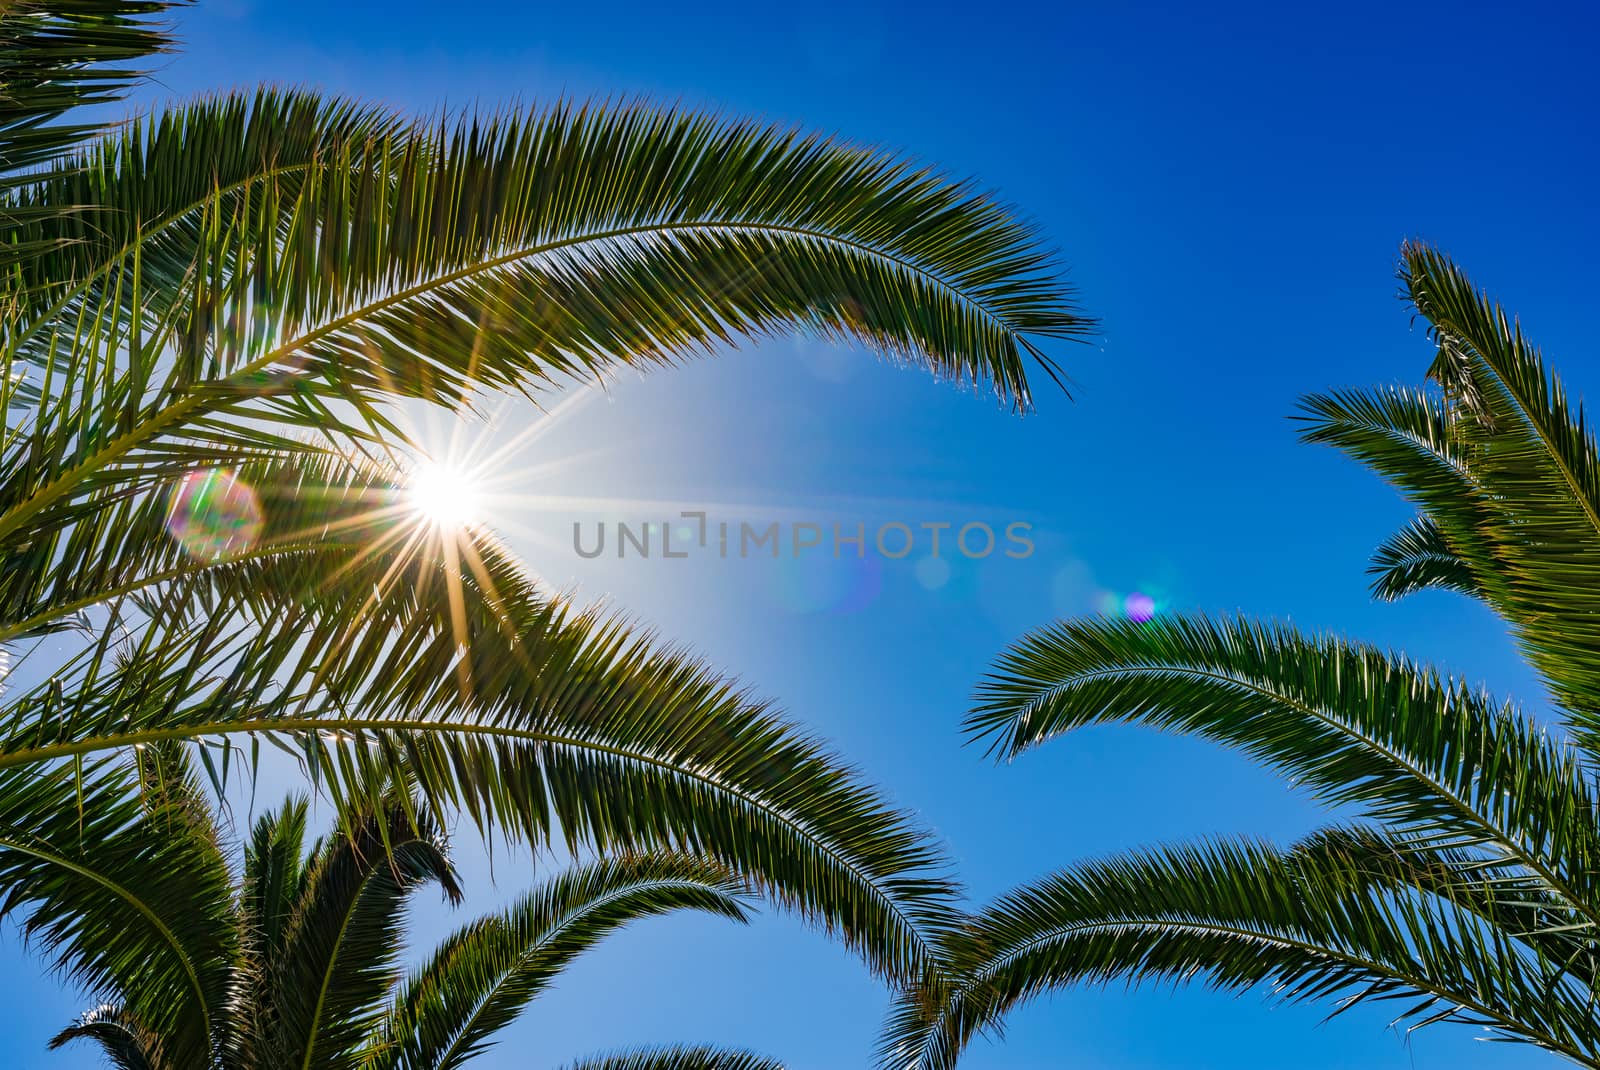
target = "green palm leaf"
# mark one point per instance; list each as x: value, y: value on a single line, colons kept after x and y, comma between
x: 347, y: 258
x: 1507, y: 473
x: 1418, y: 557
x: 123, y: 1042
x: 249, y: 283
x: 483, y: 976
x: 117, y: 876
x: 337, y: 256
x: 1485, y: 864
x: 274, y: 878
x: 1339, y: 915
x: 678, y: 1058
x: 563, y: 722
x: 340, y: 947
x: 322, y: 519
x: 59, y: 56
x: 613, y: 233
x: 1352, y: 724
x: 1474, y: 899
x: 310, y: 973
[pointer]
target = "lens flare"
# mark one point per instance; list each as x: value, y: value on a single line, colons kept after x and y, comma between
x: 214, y: 514
x: 933, y: 573
x: 819, y: 583
x: 1139, y: 607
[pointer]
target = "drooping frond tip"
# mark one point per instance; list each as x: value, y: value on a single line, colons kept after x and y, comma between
x: 60, y: 55
x: 514, y: 250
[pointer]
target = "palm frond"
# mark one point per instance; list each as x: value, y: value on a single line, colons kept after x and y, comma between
x: 1354, y: 725
x: 121, y: 1040
x: 273, y: 879
x: 1418, y: 557
x: 393, y: 223
x: 215, y: 284
x: 140, y: 195
x: 483, y: 976
x: 1532, y: 449
x: 328, y: 984
x: 117, y: 876
x: 1474, y: 900
x: 60, y: 56
x: 313, y: 981
x: 1328, y: 918
x: 678, y: 1058
x: 308, y: 518
x: 502, y: 702
x: 514, y: 250
x: 1508, y: 474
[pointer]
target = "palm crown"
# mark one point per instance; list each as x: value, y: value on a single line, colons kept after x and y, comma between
x: 1468, y: 884
x: 234, y: 294
x: 296, y: 961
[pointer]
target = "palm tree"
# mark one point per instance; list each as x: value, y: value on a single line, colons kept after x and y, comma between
x: 297, y: 960
x: 1466, y: 881
x: 209, y: 316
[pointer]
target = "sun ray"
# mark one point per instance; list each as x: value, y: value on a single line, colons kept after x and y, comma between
x: 464, y: 488
x: 458, y: 618
x: 548, y: 421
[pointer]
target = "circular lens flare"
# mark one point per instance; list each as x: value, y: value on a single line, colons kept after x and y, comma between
x: 213, y: 514
x: 1139, y: 606
x: 444, y: 496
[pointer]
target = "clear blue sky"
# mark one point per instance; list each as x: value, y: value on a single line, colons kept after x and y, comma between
x: 1230, y: 183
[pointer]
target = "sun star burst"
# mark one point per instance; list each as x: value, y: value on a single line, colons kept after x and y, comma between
x: 446, y: 496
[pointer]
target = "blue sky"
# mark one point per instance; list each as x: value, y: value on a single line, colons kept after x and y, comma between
x: 1229, y: 183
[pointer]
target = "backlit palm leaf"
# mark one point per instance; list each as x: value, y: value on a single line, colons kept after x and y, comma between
x: 245, y: 284
x: 116, y: 874
x: 679, y: 1058
x: 1343, y: 915
x: 1474, y: 898
x: 1352, y: 724
x: 1521, y: 511
x: 482, y: 977
x: 327, y: 989
x: 59, y: 56
x: 313, y: 980
x: 1417, y: 558
x: 124, y: 1043
x: 560, y: 724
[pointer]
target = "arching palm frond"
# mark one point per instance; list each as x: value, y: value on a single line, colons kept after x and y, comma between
x: 513, y: 249
x: 531, y: 718
x: 60, y: 56
x: 1474, y: 898
x: 340, y: 950
x: 482, y: 977
x: 58, y: 60
x: 146, y: 195
x: 678, y: 1058
x: 1418, y: 558
x: 122, y: 1041
x: 115, y: 873
x: 265, y: 267
x: 340, y: 256
x: 308, y: 519
x: 310, y: 977
x: 1352, y: 724
x: 1522, y: 511
x: 1351, y: 914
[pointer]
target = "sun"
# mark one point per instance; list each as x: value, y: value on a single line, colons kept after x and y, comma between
x: 445, y: 496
